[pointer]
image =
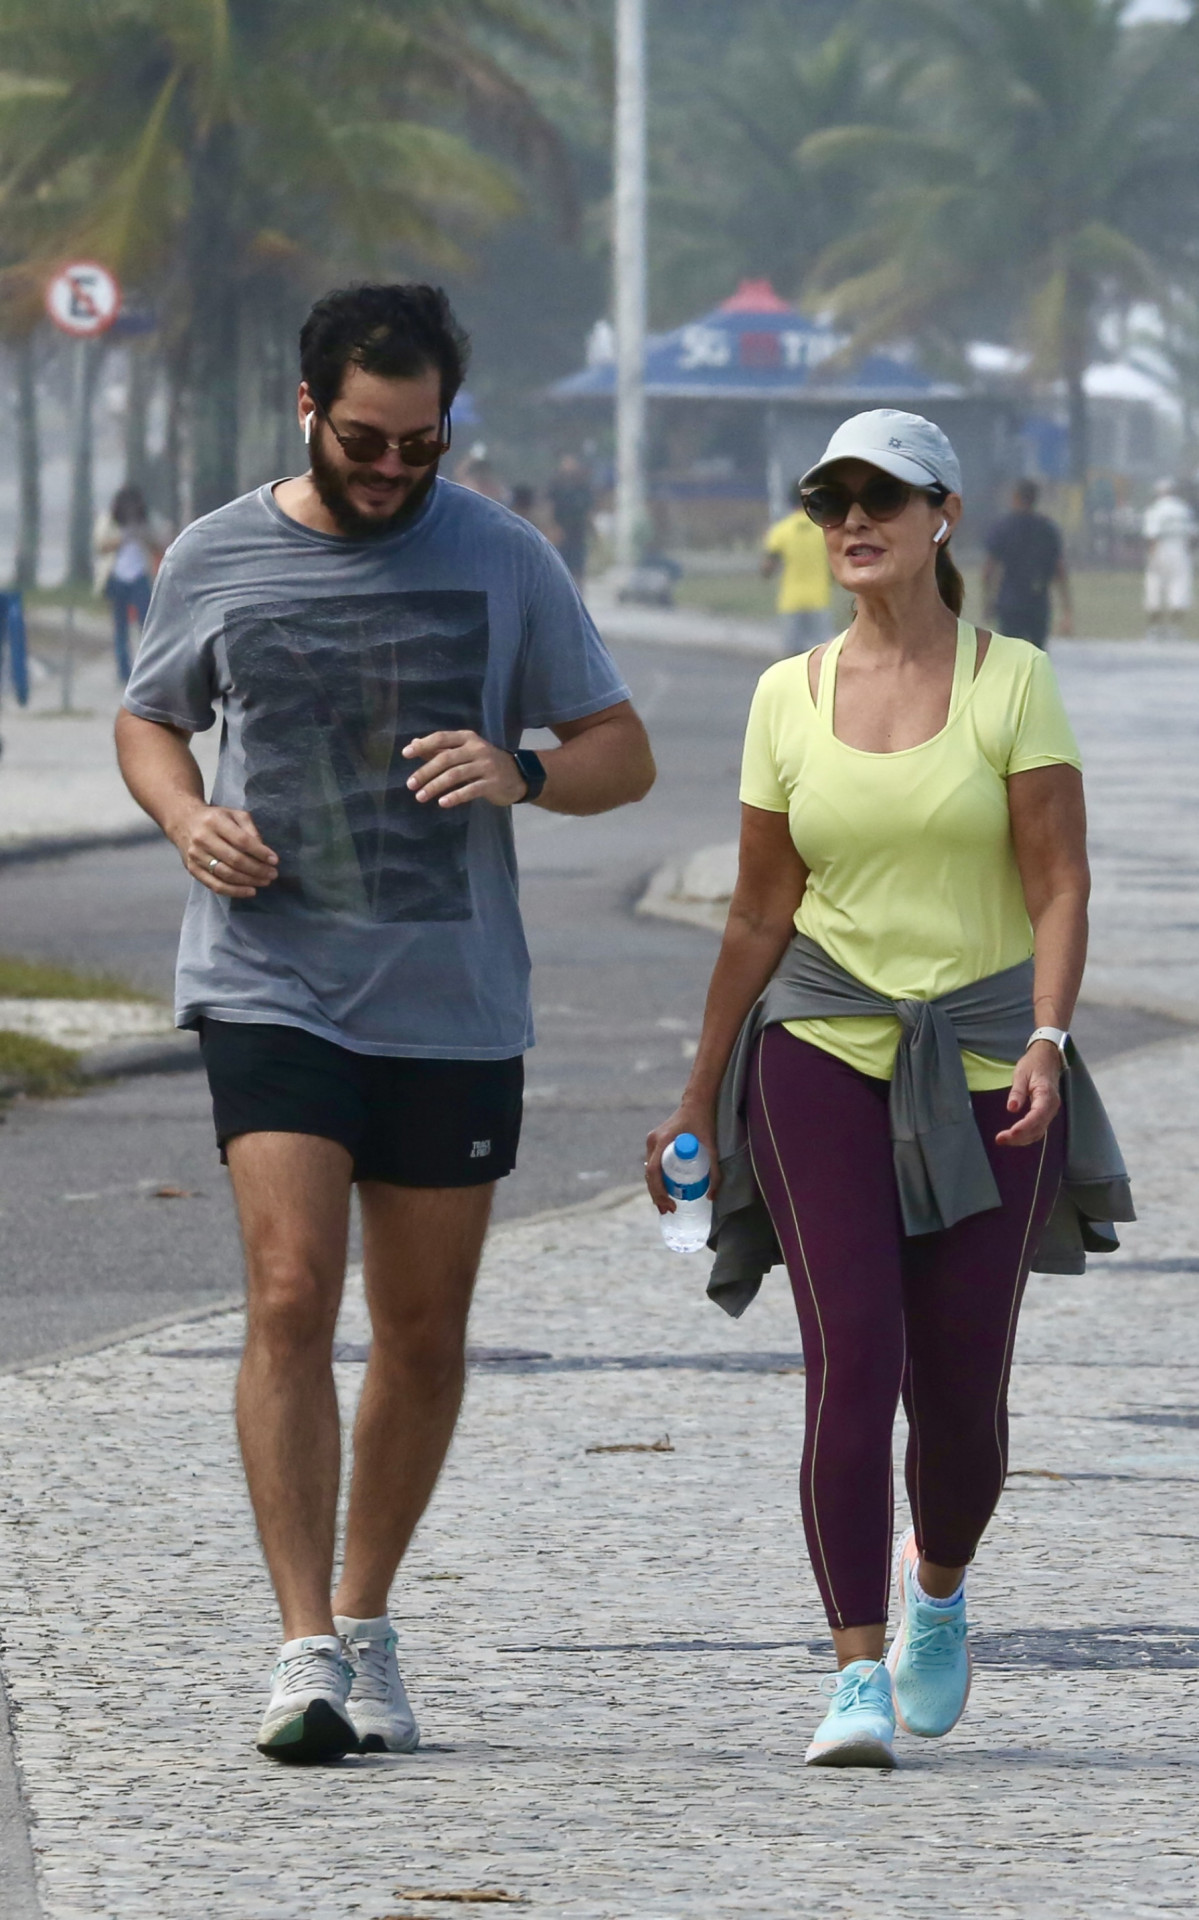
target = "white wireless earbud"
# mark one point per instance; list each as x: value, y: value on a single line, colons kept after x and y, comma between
x: 938, y: 536
x: 308, y: 419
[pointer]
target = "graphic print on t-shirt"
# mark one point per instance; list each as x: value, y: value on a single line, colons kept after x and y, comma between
x: 333, y: 689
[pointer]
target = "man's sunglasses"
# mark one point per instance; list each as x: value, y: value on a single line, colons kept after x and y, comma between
x: 368, y: 444
x: 881, y: 498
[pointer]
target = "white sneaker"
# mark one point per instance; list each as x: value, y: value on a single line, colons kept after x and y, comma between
x: 378, y: 1704
x: 306, y: 1716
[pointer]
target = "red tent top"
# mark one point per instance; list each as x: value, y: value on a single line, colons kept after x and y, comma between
x: 755, y: 296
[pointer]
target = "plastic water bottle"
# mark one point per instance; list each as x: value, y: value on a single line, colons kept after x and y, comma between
x: 687, y: 1173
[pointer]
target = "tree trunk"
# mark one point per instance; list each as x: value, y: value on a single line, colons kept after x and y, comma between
x: 174, y: 494
x: 288, y: 447
x: 1079, y: 426
x: 89, y: 357
x: 1076, y: 355
x: 137, y: 413
x: 29, y: 460
x: 214, y: 328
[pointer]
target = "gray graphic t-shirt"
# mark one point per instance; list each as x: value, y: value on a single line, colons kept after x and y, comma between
x: 393, y: 927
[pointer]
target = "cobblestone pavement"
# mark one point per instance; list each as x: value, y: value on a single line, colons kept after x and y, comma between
x: 1133, y: 705
x: 615, y: 1654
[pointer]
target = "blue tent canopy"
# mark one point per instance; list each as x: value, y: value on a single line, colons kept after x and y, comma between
x: 465, y: 412
x: 755, y: 346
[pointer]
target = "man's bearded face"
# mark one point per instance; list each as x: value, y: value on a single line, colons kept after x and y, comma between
x: 368, y: 502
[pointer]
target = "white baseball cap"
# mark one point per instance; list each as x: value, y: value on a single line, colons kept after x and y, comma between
x: 905, y: 445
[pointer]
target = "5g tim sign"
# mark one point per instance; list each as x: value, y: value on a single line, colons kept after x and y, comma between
x: 83, y: 299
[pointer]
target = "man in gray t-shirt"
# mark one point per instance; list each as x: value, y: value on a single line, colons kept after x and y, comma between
x: 375, y: 640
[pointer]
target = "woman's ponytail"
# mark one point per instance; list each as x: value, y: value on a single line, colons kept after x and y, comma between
x: 950, y: 584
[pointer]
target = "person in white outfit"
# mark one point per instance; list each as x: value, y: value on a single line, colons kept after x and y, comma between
x: 1169, y: 529
x: 128, y: 543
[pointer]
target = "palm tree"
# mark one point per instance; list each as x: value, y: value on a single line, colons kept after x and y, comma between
x: 731, y: 199
x: 1048, y: 172
x: 206, y: 149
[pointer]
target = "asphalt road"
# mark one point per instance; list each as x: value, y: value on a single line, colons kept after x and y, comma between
x: 91, y: 1250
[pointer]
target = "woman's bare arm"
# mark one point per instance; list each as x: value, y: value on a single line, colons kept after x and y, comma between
x: 1049, y: 833
x: 771, y: 878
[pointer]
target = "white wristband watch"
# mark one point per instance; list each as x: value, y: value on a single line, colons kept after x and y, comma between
x: 1058, y: 1036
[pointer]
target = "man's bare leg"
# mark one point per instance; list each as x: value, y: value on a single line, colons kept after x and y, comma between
x: 293, y: 1200
x: 421, y: 1249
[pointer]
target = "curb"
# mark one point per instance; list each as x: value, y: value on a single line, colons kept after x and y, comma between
x: 605, y: 1202
x: 61, y: 846
x: 693, y: 889
x: 177, y: 1052
x: 682, y: 627
x: 18, y: 1873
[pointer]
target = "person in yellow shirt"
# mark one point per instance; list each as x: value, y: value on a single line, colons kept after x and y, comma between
x: 794, y: 549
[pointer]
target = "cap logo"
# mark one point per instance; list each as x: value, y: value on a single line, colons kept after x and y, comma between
x: 893, y: 442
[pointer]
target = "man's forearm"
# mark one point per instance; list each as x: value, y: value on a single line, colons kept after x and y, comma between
x: 219, y: 846
x: 159, y: 769
x: 607, y: 766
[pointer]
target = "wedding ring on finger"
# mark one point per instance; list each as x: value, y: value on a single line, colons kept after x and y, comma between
x: 213, y: 864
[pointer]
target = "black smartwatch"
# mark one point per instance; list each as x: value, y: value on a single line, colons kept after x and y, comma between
x: 532, y: 772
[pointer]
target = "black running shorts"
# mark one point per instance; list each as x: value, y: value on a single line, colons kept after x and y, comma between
x: 411, y: 1123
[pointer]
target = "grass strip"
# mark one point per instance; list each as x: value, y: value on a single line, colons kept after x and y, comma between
x: 30, y: 1065
x: 22, y: 979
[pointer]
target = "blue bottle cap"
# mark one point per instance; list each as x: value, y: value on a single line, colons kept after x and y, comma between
x: 686, y: 1146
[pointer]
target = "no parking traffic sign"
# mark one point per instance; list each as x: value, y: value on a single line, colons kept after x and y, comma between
x: 83, y: 299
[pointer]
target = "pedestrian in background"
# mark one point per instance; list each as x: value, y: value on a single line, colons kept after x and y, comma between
x: 477, y: 472
x: 912, y: 898
x: 128, y: 546
x: 525, y: 502
x: 1026, y: 559
x: 1169, y: 530
x: 794, y: 549
x: 375, y: 642
x: 572, y: 496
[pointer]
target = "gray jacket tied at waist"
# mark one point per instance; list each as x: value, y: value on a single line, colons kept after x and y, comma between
x: 941, y: 1165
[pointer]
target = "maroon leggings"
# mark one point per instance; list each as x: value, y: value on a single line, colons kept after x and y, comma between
x: 932, y: 1317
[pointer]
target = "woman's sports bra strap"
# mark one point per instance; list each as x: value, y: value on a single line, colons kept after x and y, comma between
x: 826, y: 683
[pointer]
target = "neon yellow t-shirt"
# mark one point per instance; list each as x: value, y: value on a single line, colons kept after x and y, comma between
x: 804, y: 582
x: 913, y: 884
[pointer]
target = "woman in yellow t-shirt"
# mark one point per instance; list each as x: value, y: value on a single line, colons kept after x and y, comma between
x: 912, y: 804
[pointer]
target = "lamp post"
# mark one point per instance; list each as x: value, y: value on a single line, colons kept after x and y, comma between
x: 630, y: 279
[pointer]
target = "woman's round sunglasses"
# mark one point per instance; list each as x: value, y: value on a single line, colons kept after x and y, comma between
x: 369, y: 444
x: 881, y: 498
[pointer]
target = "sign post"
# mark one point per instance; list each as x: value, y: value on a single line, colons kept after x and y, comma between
x: 83, y: 299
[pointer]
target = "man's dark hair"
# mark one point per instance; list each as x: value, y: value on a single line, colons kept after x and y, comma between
x: 1027, y: 493
x: 395, y: 331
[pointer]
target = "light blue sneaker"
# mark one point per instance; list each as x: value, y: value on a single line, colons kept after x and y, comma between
x: 859, y: 1727
x: 929, y: 1660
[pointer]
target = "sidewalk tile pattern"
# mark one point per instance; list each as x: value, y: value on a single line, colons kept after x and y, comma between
x: 614, y: 1655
